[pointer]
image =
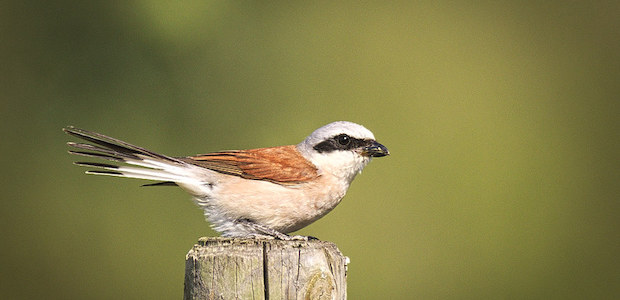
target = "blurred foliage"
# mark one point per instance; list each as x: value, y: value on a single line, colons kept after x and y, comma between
x: 502, y: 120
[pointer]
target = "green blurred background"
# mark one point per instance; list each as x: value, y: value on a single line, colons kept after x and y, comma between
x: 501, y: 117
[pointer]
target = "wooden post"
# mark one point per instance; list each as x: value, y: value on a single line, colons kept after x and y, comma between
x: 228, y: 268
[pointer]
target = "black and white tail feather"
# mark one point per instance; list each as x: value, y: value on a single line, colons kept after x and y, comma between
x: 138, y: 162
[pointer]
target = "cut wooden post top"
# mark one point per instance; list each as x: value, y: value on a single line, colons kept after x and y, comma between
x: 237, y: 268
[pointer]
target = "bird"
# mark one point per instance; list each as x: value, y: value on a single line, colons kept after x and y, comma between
x: 263, y: 192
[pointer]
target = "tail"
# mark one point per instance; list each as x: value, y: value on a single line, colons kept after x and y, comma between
x: 139, y: 162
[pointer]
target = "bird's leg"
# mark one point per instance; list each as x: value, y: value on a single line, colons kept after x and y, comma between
x: 264, y: 230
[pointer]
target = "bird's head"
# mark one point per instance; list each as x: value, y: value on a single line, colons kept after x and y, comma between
x: 341, y: 148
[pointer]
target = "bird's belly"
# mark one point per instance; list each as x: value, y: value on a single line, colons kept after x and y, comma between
x: 284, y: 208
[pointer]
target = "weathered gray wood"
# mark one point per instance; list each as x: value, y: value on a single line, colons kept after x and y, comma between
x: 227, y: 268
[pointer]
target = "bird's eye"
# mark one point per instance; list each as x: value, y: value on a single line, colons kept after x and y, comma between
x: 343, y: 139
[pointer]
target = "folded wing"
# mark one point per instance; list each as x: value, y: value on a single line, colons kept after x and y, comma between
x: 283, y: 165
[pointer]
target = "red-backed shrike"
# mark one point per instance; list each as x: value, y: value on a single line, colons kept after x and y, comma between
x: 265, y: 191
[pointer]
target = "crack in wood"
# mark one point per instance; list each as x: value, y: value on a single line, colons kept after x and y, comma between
x: 265, y: 271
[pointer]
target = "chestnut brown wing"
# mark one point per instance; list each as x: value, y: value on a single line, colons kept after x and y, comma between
x: 284, y: 164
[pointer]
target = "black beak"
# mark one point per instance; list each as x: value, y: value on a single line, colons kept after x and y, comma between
x: 375, y: 150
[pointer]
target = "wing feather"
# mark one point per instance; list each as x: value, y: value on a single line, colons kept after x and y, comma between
x: 284, y: 164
